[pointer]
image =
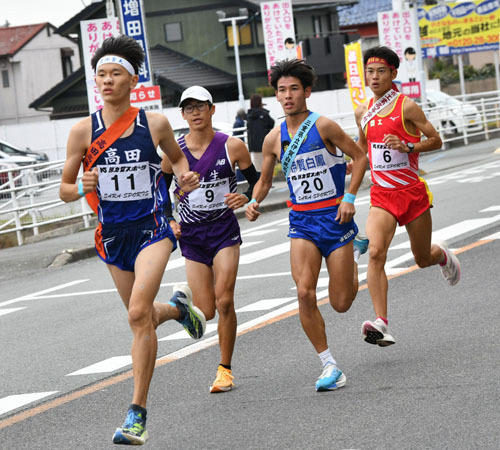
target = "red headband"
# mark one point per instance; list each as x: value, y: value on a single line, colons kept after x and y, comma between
x: 376, y: 59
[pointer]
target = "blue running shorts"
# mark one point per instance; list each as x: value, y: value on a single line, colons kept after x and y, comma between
x: 321, y: 229
x: 119, y: 244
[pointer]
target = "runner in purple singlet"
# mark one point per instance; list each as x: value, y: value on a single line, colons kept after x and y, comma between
x: 208, y: 232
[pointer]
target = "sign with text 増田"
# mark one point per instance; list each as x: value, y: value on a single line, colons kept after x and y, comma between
x: 132, y: 19
x: 454, y: 28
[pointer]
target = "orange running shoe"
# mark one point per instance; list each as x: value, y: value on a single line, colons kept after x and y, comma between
x: 223, y: 381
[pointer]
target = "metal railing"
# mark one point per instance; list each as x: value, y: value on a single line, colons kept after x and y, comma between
x: 29, y: 199
x: 29, y: 195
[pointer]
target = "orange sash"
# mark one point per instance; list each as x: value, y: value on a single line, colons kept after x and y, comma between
x: 102, y: 143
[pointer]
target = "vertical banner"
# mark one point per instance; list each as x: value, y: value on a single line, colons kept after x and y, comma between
x: 397, y: 30
x: 132, y: 18
x: 355, y: 73
x: 93, y: 33
x: 279, y: 32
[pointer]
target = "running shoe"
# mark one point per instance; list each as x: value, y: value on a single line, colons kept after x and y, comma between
x: 133, y: 431
x: 193, y: 321
x: 451, y: 270
x: 330, y: 379
x: 361, y: 243
x: 223, y: 381
x: 377, y: 333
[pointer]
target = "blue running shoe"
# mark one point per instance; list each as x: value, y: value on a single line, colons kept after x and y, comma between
x: 361, y: 243
x: 330, y: 379
x: 133, y: 431
x: 193, y: 319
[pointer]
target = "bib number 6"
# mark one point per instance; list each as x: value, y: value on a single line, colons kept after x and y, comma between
x: 387, y: 156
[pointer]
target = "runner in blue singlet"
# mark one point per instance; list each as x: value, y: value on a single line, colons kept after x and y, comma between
x: 133, y: 236
x: 321, y: 219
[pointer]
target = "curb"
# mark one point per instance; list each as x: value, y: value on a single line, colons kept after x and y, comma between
x: 73, y: 255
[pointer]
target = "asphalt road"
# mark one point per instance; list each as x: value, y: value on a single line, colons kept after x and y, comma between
x: 436, y: 388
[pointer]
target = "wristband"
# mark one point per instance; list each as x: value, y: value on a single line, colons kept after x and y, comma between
x: 349, y: 198
x: 80, y: 189
x: 252, y: 201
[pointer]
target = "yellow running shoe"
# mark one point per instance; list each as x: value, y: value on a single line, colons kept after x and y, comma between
x: 223, y: 381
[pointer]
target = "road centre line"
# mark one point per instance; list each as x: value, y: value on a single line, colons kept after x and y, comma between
x: 267, y: 319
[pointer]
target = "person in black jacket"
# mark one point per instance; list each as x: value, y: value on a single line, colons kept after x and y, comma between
x: 259, y: 123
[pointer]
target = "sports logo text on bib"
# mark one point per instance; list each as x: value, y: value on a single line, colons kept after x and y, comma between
x: 385, y: 158
x: 125, y: 182
x: 210, y: 195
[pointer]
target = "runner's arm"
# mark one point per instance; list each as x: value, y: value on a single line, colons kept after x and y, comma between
x: 168, y: 173
x: 239, y: 153
x: 335, y: 135
x: 415, y: 121
x: 78, y: 142
x: 188, y: 180
x: 270, y: 151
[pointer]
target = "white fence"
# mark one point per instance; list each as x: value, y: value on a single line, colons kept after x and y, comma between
x: 29, y: 195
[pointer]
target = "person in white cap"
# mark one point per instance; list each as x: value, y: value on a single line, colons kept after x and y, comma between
x: 123, y: 181
x: 208, y: 232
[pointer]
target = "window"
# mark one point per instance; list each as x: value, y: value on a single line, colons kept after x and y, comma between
x: 244, y: 35
x: 260, y: 34
x: 173, y: 32
x: 317, y: 29
x: 67, y: 64
x: 5, y: 78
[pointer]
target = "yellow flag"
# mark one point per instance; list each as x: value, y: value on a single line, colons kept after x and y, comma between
x: 355, y: 75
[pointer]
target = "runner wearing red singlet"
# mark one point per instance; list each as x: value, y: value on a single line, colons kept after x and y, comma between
x: 390, y: 130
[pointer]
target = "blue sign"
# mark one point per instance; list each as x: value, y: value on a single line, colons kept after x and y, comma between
x: 132, y: 18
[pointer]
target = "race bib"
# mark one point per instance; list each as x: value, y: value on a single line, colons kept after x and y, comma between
x: 311, y: 178
x: 210, y: 195
x: 384, y: 158
x: 125, y: 182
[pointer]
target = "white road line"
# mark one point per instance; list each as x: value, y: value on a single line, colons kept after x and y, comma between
x: 249, y: 244
x: 491, y: 236
x: 184, y: 335
x: 36, y: 295
x: 260, y: 233
x: 455, y: 230
x: 491, y: 209
x: 264, y: 305
x: 12, y: 402
x: 108, y: 365
x: 265, y: 253
x: 6, y: 311
x: 270, y: 224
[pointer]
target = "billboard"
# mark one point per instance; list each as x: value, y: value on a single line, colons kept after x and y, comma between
x: 279, y: 32
x: 454, y: 28
x: 398, y: 31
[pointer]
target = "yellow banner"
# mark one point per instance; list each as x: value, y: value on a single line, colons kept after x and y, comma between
x: 355, y: 73
x: 453, y: 28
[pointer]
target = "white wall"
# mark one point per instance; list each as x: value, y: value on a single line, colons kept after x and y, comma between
x: 50, y: 137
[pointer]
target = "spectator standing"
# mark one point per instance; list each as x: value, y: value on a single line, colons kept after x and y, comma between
x: 239, y: 122
x: 259, y: 123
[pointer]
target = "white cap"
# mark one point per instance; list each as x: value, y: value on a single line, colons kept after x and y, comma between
x: 197, y: 93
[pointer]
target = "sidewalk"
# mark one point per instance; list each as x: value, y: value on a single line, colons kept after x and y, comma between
x: 76, y: 244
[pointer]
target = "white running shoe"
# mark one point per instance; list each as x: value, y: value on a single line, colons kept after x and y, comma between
x: 451, y: 270
x: 377, y: 333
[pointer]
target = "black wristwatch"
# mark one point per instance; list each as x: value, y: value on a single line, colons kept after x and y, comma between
x: 411, y: 146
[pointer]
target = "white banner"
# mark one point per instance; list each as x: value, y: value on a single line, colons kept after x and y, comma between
x: 279, y: 32
x: 94, y: 32
x: 398, y: 31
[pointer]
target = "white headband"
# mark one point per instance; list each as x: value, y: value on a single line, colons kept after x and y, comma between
x: 115, y: 60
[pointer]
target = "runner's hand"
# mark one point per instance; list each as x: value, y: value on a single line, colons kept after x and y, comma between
x: 348, y: 168
x: 90, y: 179
x: 345, y: 213
x: 394, y: 143
x: 252, y: 212
x: 176, y: 228
x: 235, y: 200
x: 189, y: 181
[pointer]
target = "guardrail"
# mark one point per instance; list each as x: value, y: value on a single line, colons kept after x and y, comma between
x: 29, y: 195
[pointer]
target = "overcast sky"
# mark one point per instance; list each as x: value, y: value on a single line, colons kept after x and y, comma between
x: 27, y: 12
